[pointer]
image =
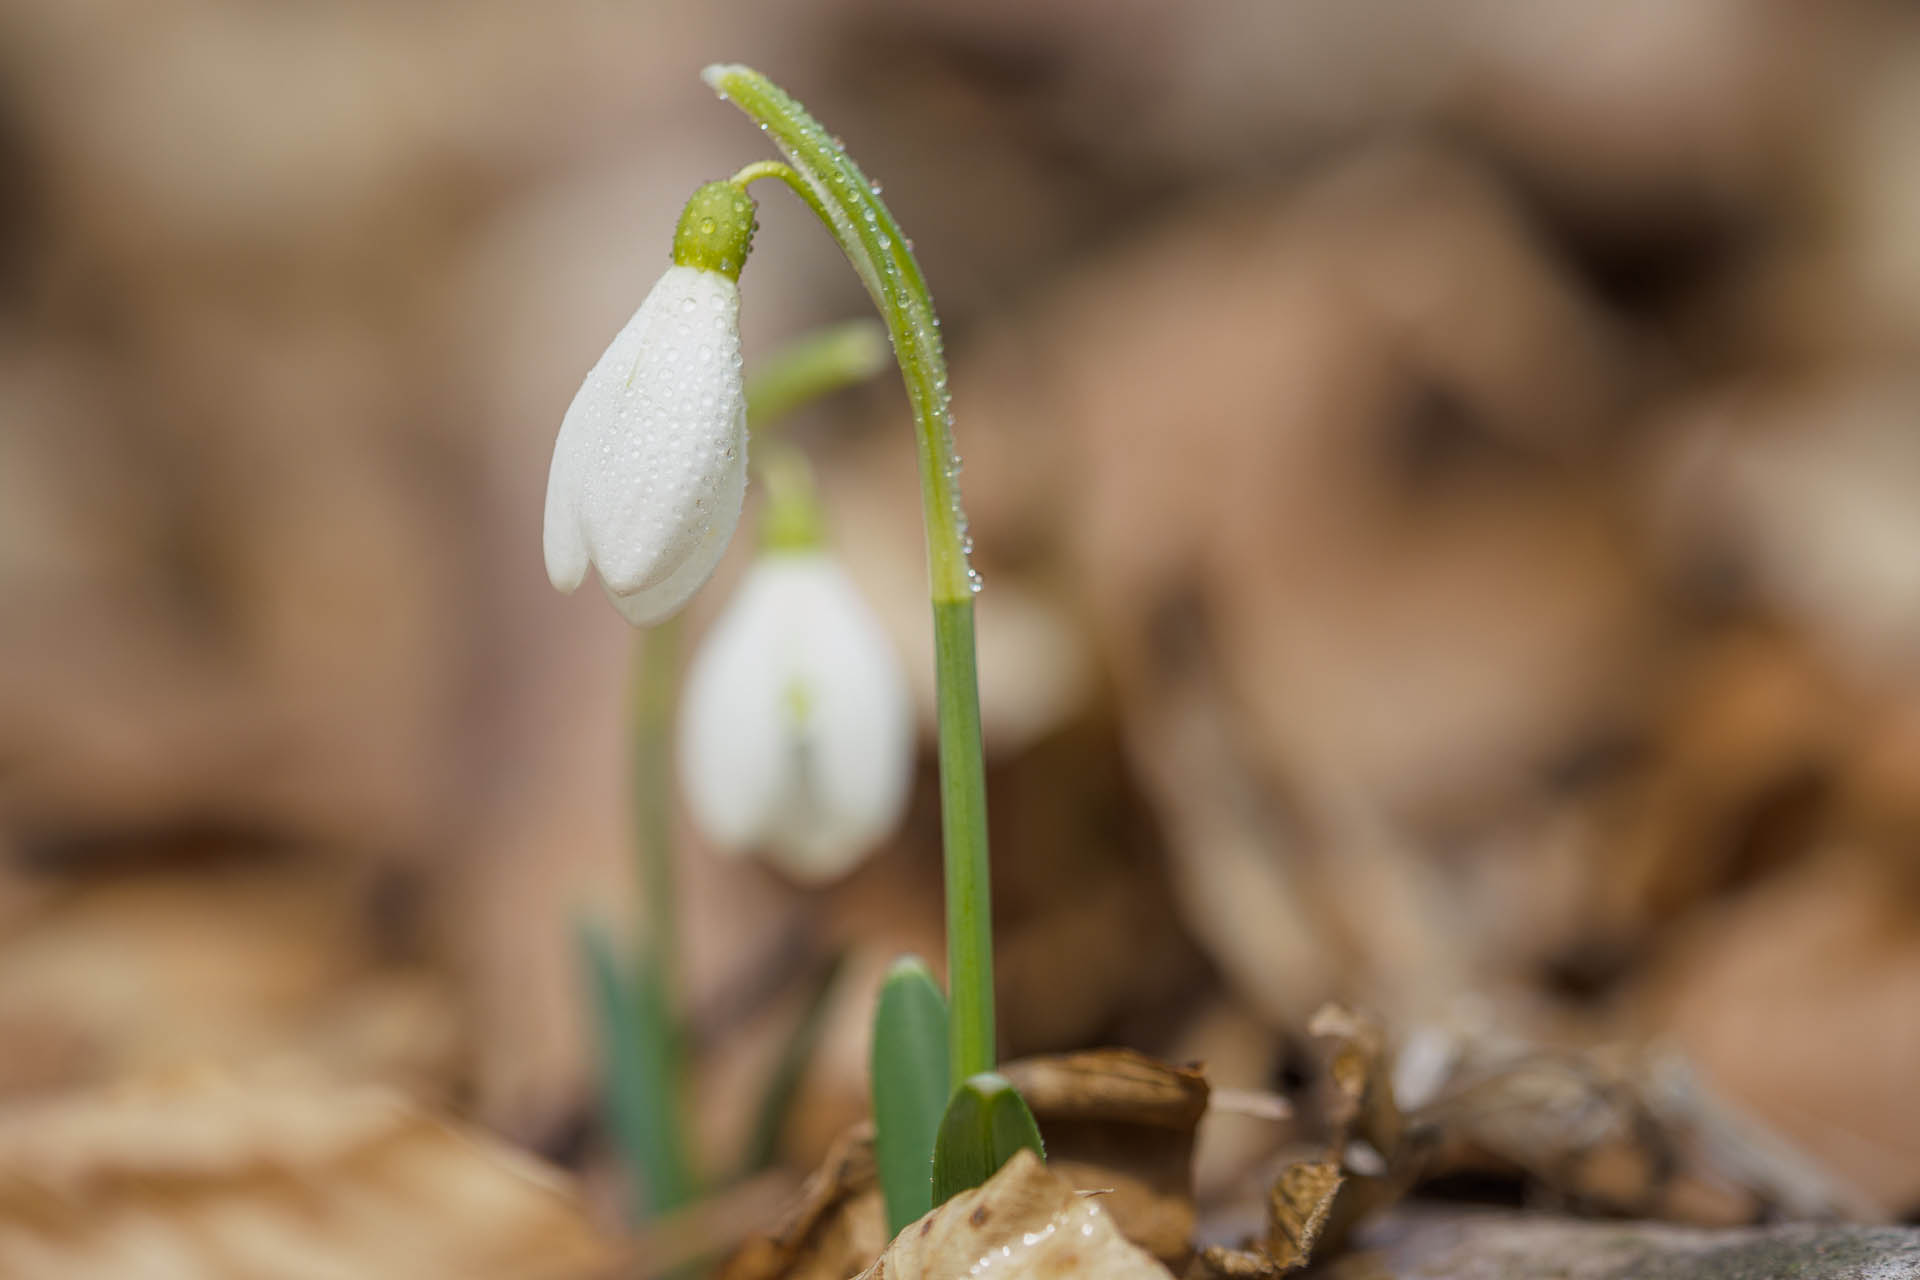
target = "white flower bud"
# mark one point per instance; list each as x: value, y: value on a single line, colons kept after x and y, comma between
x: 796, y: 730
x: 651, y: 461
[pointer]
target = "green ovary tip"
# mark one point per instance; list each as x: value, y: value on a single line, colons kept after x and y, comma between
x: 716, y: 230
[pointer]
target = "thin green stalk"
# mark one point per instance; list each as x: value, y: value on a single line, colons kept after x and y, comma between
x: 832, y: 185
x: 656, y: 672
x: 657, y: 986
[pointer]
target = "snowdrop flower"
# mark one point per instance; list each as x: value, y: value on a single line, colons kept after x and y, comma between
x: 651, y: 461
x: 796, y: 729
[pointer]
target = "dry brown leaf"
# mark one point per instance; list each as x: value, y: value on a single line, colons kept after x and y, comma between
x: 211, y: 1178
x: 1298, y: 1209
x: 1624, y: 1133
x: 1362, y: 1104
x: 1316, y: 1200
x: 1798, y: 1003
x: 837, y: 1226
x: 1574, y: 1124
x: 235, y: 965
x: 1119, y: 1122
x: 1367, y: 1156
x: 1368, y: 1139
x: 1025, y: 1221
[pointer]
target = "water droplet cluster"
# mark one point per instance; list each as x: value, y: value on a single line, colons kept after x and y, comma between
x: 1076, y: 1223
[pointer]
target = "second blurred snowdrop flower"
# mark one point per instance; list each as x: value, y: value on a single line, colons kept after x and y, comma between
x: 796, y: 732
x: 650, y: 465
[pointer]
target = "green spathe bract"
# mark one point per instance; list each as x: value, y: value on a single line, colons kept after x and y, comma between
x: 908, y: 1070
x: 986, y: 1122
x: 840, y: 195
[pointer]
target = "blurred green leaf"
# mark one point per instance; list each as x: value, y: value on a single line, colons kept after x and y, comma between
x: 776, y: 1102
x: 909, y: 1074
x: 639, y: 1049
x: 986, y: 1122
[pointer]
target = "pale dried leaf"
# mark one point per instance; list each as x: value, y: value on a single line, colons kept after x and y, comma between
x: 1121, y: 1123
x: 1025, y: 1222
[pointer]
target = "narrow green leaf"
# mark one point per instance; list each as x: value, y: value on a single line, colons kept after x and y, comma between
x: 783, y: 1085
x: 639, y: 1052
x: 986, y: 1122
x: 909, y: 1074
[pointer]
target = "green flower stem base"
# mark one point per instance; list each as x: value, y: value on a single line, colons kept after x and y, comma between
x: 963, y: 829
x: 656, y: 1131
x: 831, y: 184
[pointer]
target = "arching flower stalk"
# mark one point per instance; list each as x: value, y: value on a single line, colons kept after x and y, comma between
x: 985, y: 1120
x: 826, y: 178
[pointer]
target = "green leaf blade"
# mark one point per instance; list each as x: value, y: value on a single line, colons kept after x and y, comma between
x: 908, y: 1070
x: 640, y: 1052
x: 985, y: 1124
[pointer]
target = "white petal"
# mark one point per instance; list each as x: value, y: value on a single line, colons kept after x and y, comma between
x: 564, y: 544
x: 651, y: 455
x: 818, y: 782
x: 675, y: 431
x: 652, y: 604
x: 733, y: 740
x: 861, y: 729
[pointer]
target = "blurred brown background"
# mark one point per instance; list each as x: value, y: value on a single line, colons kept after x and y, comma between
x: 1447, y: 479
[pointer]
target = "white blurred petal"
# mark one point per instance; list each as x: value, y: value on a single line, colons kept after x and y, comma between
x: 796, y: 728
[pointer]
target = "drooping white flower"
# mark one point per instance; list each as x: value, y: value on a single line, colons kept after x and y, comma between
x: 651, y: 461
x: 796, y: 729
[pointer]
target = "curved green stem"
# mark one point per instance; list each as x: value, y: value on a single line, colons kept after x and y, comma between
x: 832, y: 185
